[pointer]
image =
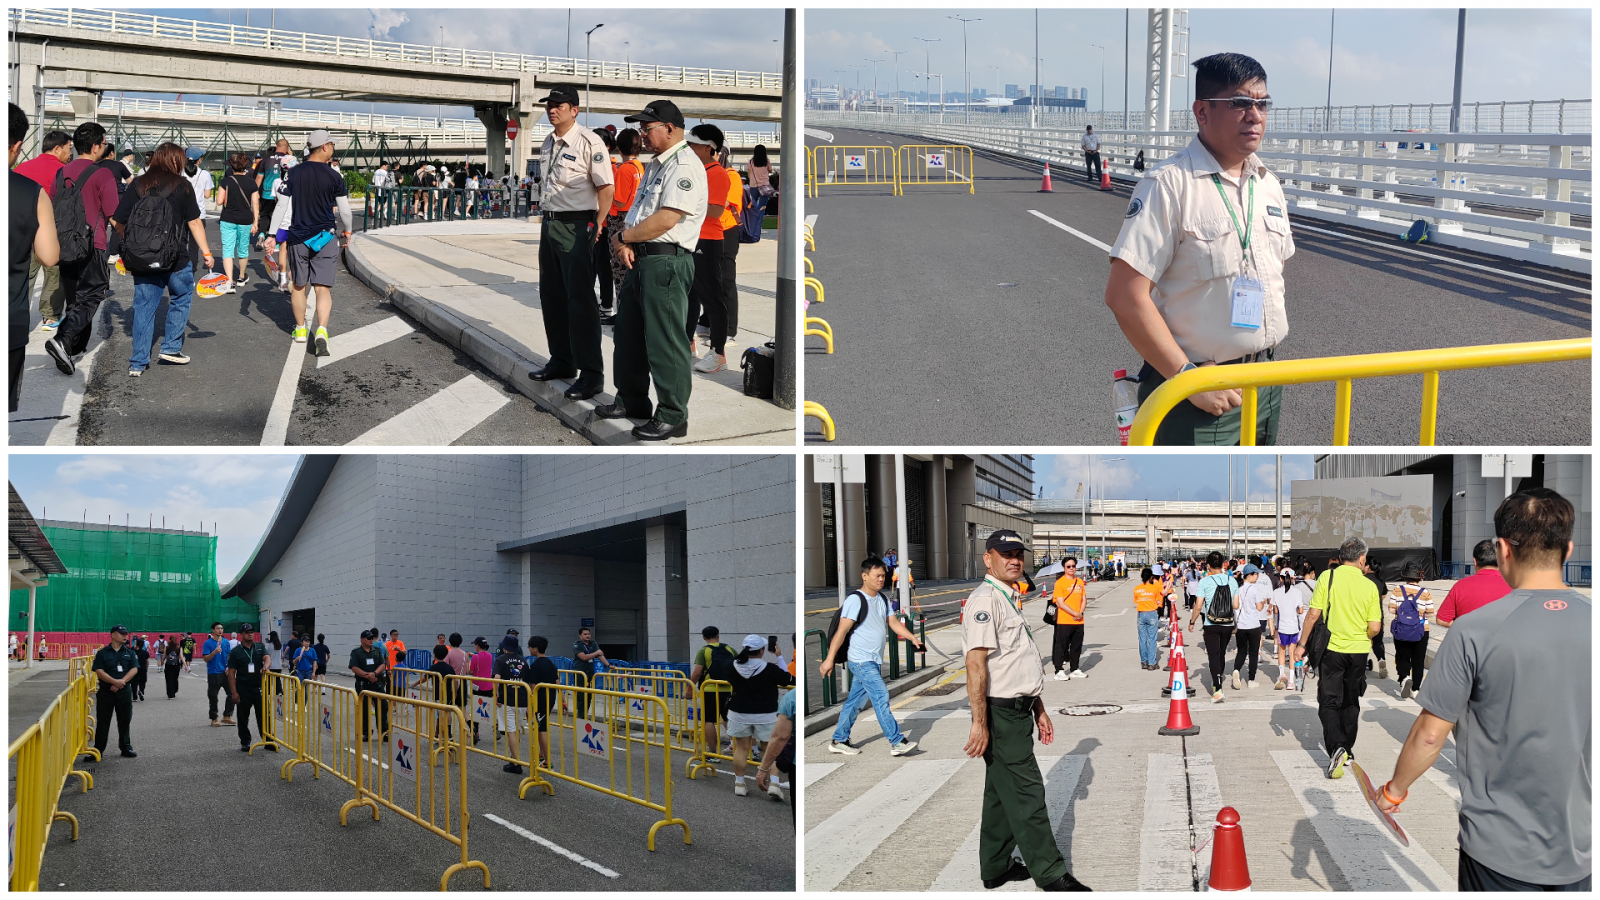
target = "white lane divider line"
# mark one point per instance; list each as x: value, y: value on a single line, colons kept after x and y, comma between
x: 1445, y: 260
x: 369, y: 759
x: 1369, y: 858
x: 1061, y: 774
x: 1110, y: 615
x: 1164, y: 859
x: 850, y: 835
x: 365, y: 338
x: 815, y: 771
x: 277, y: 430
x: 554, y: 848
x: 1072, y: 231
x: 439, y: 420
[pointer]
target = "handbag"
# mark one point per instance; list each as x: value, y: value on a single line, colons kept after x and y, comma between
x: 1050, y: 613
x: 1317, y: 640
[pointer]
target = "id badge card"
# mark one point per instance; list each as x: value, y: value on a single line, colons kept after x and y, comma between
x: 1249, y: 302
x: 251, y: 668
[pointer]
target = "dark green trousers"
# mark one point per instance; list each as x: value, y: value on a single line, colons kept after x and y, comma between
x: 649, y: 343
x: 566, y: 296
x: 1014, y: 813
x: 1188, y: 426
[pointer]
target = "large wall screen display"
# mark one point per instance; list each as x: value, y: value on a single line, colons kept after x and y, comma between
x: 1392, y: 512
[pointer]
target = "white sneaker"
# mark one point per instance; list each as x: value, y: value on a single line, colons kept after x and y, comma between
x: 1405, y: 688
x: 1217, y: 697
x: 1383, y: 668
x: 739, y: 790
x: 905, y: 746
x: 711, y: 362
x: 1062, y: 676
x: 1236, y: 685
x: 1078, y: 673
x: 774, y: 791
x: 226, y: 288
x: 842, y: 747
x: 1252, y: 683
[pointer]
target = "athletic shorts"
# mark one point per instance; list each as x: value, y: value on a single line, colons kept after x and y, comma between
x: 759, y: 732
x: 542, y: 719
x: 235, y: 240
x: 1285, y: 640
x: 511, y: 718
x: 716, y: 706
x: 317, y: 268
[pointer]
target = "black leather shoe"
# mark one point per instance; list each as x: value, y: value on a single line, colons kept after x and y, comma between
x: 1017, y: 872
x: 584, y: 387
x: 614, y: 411
x: 549, y: 373
x: 657, y: 430
x: 1067, y: 883
x: 129, y: 753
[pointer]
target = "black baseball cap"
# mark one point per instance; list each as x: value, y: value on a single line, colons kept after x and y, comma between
x: 562, y: 93
x: 658, y: 111
x: 1004, y: 540
x: 247, y: 628
x: 119, y: 629
x: 514, y: 632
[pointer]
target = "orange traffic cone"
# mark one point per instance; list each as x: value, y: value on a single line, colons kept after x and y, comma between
x: 1105, y: 179
x: 1045, y: 188
x: 1229, y: 869
x: 1175, y: 655
x: 1178, y: 721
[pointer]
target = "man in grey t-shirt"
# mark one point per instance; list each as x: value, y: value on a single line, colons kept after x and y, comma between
x: 1514, y: 681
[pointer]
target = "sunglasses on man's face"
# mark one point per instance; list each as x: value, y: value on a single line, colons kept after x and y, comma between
x: 1242, y: 103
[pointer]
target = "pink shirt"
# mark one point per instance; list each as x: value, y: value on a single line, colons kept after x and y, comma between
x: 482, y: 664
x: 457, y: 659
x: 1478, y: 589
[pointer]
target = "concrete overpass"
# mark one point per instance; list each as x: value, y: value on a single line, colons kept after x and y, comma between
x: 95, y: 51
x: 1165, y: 527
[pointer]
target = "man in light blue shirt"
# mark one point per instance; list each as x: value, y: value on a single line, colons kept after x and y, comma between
x: 215, y: 652
x: 865, y: 622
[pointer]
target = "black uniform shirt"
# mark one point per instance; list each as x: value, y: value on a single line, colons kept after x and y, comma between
x: 116, y: 663
x: 247, y: 664
x: 368, y: 661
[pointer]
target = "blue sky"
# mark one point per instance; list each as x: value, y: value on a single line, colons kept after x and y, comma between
x: 1381, y: 55
x: 236, y: 492
x: 1168, y: 477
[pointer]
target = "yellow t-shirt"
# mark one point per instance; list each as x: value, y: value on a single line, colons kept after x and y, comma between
x: 1147, y: 597
x: 1355, y: 603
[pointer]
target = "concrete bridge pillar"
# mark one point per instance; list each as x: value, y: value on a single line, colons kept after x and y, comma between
x: 86, y: 104
x: 494, y: 123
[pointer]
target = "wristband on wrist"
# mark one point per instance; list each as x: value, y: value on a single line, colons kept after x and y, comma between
x: 1395, y: 801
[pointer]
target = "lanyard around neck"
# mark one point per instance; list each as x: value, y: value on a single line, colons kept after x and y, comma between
x: 1249, y: 215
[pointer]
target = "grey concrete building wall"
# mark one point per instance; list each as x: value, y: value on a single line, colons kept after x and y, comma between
x: 741, y: 532
x: 1571, y: 475
x: 561, y: 492
x: 560, y: 592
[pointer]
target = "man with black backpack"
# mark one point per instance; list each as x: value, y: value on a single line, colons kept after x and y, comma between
x: 1348, y: 602
x: 864, y: 622
x: 1219, y: 603
x: 85, y: 197
x: 713, y: 661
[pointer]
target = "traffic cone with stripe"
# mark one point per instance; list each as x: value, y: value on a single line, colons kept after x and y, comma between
x: 1045, y: 188
x: 1230, y: 871
x: 1175, y: 655
x: 1105, y: 179
x: 1178, y: 721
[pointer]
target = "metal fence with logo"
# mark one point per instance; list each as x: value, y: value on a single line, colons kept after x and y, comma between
x: 841, y: 166
x: 922, y: 165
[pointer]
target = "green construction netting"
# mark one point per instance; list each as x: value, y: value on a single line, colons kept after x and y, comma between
x: 148, y: 581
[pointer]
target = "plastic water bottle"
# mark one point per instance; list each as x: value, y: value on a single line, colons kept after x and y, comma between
x: 1300, y: 675
x: 1125, y: 399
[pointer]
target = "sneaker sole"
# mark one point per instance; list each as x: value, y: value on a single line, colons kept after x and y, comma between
x: 851, y: 752
x: 63, y: 362
x: 322, y: 346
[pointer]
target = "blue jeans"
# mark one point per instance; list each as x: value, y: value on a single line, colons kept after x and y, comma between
x: 867, y: 684
x: 147, y: 291
x: 1147, y: 636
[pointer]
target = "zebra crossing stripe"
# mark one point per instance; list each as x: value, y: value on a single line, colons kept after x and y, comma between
x: 1368, y: 857
x: 850, y: 835
x: 815, y: 771
x: 1061, y: 774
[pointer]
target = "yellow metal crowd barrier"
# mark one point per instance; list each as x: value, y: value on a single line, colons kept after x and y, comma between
x: 611, y: 753
x: 671, y: 687
x: 702, y: 760
x: 1342, y: 370
x: 863, y: 166
x: 413, y: 776
x: 814, y: 410
x: 490, y: 721
x: 42, y: 757
x: 934, y: 164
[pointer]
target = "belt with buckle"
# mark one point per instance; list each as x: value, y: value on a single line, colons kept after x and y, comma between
x: 1258, y: 356
x: 585, y: 215
x: 1024, y: 703
x: 659, y: 248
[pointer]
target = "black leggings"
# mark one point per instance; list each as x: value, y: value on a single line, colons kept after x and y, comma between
x: 1249, y: 641
x: 1068, y: 646
x: 1216, y: 637
x: 1408, y: 659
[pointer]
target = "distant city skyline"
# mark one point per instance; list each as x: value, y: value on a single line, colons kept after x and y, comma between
x: 1167, y: 477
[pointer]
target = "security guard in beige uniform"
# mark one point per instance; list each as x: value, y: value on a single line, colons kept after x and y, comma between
x: 577, y: 184
x: 1197, y: 272
x: 1005, y: 681
x: 656, y: 246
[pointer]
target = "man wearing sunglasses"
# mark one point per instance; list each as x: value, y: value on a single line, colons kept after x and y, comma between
x: 1197, y: 272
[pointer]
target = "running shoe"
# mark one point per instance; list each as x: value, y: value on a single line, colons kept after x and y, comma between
x: 1078, y: 673
x: 774, y: 791
x: 1217, y: 696
x: 322, y: 341
x: 58, y: 352
x: 905, y: 746
x: 49, y: 325
x: 300, y: 334
x: 1336, y: 765
x: 711, y: 362
x: 135, y: 373
x: 1281, y: 684
x: 1405, y: 688
x: 1252, y: 683
x: 1061, y: 676
x: 177, y: 359
x: 739, y: 789
x: 1236, y: 685
x: 842, y: 747
x: 244, y: 278
x: 1383, y: 668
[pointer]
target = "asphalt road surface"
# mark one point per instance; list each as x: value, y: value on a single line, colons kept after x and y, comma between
x: 968, y: 320
x: 192, y: 813
x: 388, y: 381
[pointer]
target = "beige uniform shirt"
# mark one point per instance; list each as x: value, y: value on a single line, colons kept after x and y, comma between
x: 990, y: 620
x: 576, y: 166
x: 1177, y: 233
x: 676, y: 179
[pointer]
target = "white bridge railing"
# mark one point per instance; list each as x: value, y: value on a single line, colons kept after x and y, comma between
x: 1511, y: 194
x: 166, y: 27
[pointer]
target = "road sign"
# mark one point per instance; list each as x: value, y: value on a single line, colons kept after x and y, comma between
x: 512, y: 128
x: 1371, y: 795
x: 855, y: 161
x: 1494, y: 465
x: 594, y: 739
x: 855, y: 467
x: 935, y: 160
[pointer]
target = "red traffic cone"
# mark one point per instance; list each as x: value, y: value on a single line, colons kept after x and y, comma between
x: 1175, y: 656
x: 1105, y: 179
x: 1178, y: 721
x: 1045, y: 188
x: 1229, y: 869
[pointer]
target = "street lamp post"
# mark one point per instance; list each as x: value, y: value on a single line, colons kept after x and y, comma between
x: 588, y: 73
x: 1102, y: 83
x: 928, y: 67
x: 965, y: 69
x: 874, y: 63
x: 897, y: 70
x: 1101, y: 488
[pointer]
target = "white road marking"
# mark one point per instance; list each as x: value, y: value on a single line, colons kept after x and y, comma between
x: 439, y: 420
x: 819, y: 134
x: 556, y: 848
x: 1110, y: 615
x: 277, y: 431
x: 1164, y: 849
x: 1205, y: 796
x: 1369, y: 858
x: 1061, y: 775
x: 851, y: 835
x: 369, y: 759
x: 1072, y: 231
x: 816, y: 771
x: 365, y: 338
x: 1446, y: 260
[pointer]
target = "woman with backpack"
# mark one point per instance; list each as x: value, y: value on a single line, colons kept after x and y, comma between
x: 1411, y: 606
x: 157, y: 218
x: 753, y: 705
x: 172, y: 666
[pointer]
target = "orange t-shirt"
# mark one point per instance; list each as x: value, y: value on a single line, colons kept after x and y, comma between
x: 1069, y: 597
x: 1147, y: 597
x: 716, y: 189
x: 627, y: 185
x: 730, y: 212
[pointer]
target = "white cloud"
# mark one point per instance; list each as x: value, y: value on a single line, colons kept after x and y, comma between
x: 385, y: 19
x: 1063, y: 475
